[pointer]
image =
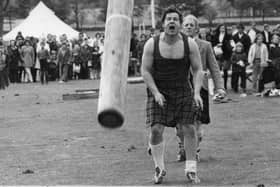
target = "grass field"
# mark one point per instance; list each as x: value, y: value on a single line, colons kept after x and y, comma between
x: 47, y: 141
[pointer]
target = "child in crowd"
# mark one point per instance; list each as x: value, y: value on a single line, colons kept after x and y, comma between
x: 76, y: 65
x: 239, y: 64
x: 96, y: 64
x: 53, y: 66
x: 43, y: 56
x: 258, y: 58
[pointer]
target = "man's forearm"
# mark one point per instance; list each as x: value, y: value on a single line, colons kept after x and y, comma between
x: 150, y: 82
x: 198, y: 78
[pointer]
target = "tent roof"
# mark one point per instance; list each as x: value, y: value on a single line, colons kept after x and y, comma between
x: 41, y: 22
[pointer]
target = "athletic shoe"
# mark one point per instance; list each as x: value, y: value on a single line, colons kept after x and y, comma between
x: 159, y: 174
x: 181, y: 156
x: 191, y: 171
x: 192, y: 177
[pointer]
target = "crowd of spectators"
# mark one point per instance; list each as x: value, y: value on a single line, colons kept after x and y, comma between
x: 237, y: 50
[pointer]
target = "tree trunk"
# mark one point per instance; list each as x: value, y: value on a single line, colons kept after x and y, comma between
x: 263, y: 15
x: 1, y: 24
x: 1, y: 18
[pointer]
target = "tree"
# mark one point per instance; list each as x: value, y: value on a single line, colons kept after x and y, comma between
x: 137, y: 11
x: 195, y: 7
x: 210, y: 13
x: 3, y: 9
x: 265, y: 6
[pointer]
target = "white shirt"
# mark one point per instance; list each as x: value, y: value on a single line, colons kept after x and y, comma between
x: 266, y: 36
x: 252, y: 34
x: 221, y: 37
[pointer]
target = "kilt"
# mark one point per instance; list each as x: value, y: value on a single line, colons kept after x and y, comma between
x: 204, y: 116
x: 180, y: 106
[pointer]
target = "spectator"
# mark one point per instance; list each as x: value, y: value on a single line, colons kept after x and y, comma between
x: 28, y: 57
x: 43, y: 56
x: 252, y: 32
x: 257, y: 58
x: 266, y: 35
x: 239, y: 64
x: 13, y: 61
x: 96, y: 62
x: 222, y: 40
x: 64, y: 62
x: 242, y: 37
x: 19, y: 36
x: 85, y: 57
x: 52, y: 66
x: 4, y: 80
x: 272, y: 72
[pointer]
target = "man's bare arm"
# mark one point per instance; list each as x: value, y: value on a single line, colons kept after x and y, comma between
x: 147, y: 66
x: 196, y: 66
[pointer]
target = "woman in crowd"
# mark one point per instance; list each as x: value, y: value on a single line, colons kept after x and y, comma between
x: 13, y: 61
x: 257, y: 58
x: 28, y: 57
x: 64, y: 62
x: 43, y: 56
x: 96, y: 61
x: 222, y: 41
x: 272, y: 72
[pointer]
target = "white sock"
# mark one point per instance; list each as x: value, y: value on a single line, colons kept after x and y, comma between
x: 191, y: 166
x: 158, y: 155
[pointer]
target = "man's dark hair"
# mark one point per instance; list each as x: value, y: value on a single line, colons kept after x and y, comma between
x: 171, y: 10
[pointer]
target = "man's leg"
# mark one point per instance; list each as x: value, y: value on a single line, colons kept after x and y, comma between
x: 157, y: 147
x: 190, y: 143
x: 181, y: 156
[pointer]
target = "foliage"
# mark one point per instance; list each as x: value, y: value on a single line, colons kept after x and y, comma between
x: 210, y: 13
x: 195, y: 7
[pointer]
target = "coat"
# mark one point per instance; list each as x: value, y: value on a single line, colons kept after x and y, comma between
x: 252, y: 53
x: 209, y: 63
x: 28, y: 56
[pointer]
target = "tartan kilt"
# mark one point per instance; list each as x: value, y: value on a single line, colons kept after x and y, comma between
x: 180, y: 106
x: 204, y: 116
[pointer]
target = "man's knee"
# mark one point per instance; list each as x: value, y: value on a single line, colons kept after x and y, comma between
x: 157, y: 131
x: 179, y: 131
x: 189, y: 130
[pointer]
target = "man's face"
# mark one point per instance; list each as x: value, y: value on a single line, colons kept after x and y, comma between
x: 266, y: 28
x: 189, y: 27
x: 172, y: 24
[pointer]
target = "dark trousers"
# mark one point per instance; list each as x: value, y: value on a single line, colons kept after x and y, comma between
x: 235, y: 80
x: 20, y: 73
x: 64, y: 75
x: 225, y: 78
x: 33, y: 73
x: 13, y: 75
x: 44, y: 71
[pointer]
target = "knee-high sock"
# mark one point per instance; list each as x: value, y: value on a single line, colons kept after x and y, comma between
x: 158, y: 154
x: 191, y: 166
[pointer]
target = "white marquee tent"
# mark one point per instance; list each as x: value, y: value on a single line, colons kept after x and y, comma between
x: 41, y: 22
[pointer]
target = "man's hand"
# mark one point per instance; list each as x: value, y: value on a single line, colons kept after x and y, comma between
x: 160, y: 99
x: 198, y: 100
